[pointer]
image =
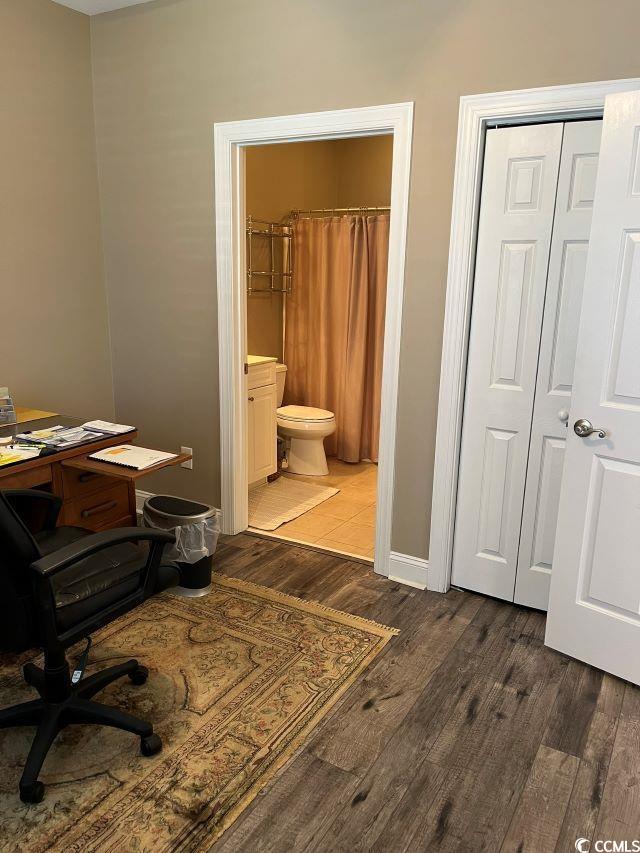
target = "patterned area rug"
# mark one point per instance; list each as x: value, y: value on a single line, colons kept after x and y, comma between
x: 273, y: 504
x: 238, y: 680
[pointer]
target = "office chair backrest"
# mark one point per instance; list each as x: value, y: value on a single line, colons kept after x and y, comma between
x: 18, y: 549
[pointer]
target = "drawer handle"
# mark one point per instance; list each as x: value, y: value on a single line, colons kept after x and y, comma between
x: 84, y: 478
x: 95, y: 510
x: 251, y: 399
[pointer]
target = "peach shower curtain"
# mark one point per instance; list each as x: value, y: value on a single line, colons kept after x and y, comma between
x: 334, y: 326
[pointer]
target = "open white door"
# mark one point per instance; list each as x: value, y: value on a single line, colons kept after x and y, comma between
x: 594, y: 607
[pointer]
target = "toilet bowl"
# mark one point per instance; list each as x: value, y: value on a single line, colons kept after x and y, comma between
x: 306, y: 428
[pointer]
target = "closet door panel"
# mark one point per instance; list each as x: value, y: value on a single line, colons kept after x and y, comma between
x: 567, y: 265
x: 516, y: 215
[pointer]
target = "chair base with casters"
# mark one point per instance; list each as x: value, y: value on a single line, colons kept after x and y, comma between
x: 57, y: 586
x: 63, y: 704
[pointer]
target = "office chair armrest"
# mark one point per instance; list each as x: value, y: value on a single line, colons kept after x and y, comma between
x: 47, y: 567
x: 18, y: 498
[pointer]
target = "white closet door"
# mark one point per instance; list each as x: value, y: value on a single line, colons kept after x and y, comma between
x: 567, y: 265
x: 516, y: 216
x: 594, y: 604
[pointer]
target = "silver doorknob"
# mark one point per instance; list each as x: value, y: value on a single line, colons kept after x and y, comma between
x: 563, y: 415
x: 584, y: 428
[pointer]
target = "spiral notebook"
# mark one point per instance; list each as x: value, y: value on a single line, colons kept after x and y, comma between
x: 130, y: 456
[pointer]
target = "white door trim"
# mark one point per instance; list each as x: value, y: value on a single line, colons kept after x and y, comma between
x: 230, y: 139
x: 477, y: 112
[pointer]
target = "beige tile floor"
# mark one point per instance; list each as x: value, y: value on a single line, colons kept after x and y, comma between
x: 345, y: 522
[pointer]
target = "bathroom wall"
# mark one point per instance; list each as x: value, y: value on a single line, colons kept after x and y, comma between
x: 165, y: 71
x: 54, y: 341
x: 364, y: 170
x: 280, y: 178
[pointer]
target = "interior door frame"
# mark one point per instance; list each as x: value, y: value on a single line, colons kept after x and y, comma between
x: 230, y: 141
x: 477, y: 113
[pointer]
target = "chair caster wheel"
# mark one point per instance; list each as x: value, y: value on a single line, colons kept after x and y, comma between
x: 33, y: 793
x: 151, y: 745
x: 139, y: 675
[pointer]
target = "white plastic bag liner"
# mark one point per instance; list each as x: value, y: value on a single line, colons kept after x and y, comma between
x: 194, y: 540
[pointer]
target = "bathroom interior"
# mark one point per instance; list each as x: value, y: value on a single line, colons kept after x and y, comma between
x: 317, y: 240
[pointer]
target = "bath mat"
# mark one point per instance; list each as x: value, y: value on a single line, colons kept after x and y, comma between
x: 273, y: 504
x: 238, y: 680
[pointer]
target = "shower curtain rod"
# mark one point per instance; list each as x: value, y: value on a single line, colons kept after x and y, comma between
x: 334, y: 210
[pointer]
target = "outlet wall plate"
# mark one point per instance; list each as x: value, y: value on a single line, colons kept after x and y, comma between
x: 189, y: 463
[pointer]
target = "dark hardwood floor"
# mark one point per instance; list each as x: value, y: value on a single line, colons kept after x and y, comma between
x: 466, y: 734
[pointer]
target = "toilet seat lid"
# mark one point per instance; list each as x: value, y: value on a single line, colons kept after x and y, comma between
x: 304, y: 413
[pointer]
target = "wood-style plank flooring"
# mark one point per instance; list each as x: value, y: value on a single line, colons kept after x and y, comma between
x: 466, y: 734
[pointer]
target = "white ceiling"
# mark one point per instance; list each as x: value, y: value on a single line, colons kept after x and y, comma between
x: 94, y: 7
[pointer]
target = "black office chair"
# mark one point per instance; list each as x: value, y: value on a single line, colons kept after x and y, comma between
x: 57, y: 586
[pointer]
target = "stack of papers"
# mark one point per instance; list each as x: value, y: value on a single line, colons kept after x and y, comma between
x: 59, y: 437
x: 107, y: 427
x: 17, y: 453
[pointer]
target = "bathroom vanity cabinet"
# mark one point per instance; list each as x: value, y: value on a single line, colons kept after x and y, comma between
x: 262, y: 402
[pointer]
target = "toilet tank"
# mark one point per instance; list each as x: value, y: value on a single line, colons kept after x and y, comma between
x: 281, y: 376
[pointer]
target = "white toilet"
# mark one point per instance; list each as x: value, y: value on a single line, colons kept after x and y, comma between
x: 305, y: 428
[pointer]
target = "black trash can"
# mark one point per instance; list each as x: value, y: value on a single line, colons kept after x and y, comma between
x: 197, y: 527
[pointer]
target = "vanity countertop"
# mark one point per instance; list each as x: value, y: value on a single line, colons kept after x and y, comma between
x: 260, y: 359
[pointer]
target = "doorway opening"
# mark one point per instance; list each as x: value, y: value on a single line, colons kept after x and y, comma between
x: 318, y: 215
x: 232, y: 139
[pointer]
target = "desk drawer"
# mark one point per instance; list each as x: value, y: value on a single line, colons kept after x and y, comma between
x: 99, y: 509
x: 76, y: 483
x: 30, y: 479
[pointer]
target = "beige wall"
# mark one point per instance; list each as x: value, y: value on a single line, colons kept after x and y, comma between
x: 166, y: 71
x: 364, y: 170
x: 54, y: 346
x: 303, y: 175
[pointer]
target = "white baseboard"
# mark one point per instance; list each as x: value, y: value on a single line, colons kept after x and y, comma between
x: 141, y: 497
x: 408, y: 570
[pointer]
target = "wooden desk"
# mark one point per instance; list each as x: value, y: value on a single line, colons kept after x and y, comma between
x: 94, y: 495
x: 25, y: 415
